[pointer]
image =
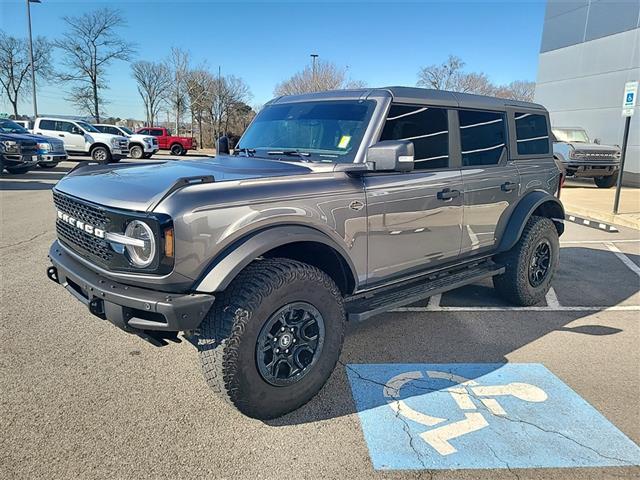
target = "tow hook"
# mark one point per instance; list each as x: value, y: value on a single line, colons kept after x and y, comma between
x: 52, y: 273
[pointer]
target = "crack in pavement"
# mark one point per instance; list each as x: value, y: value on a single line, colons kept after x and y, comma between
x: 511, y: 471
x: 417, y: 384
x: 24, y: 241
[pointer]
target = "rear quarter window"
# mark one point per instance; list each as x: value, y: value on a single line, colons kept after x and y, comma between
x: 532, y: 134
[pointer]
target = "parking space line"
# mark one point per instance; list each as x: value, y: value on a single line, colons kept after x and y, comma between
x: 626, y: 260
x: 560, y: 308
x: 552, y: 299
x: 578, y: 242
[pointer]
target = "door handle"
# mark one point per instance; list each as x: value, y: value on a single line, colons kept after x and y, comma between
x: 448, y: 194
x: 61, y: 134
x: 508, y: 186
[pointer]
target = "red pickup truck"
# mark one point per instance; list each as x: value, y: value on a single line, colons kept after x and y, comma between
x: 166, y: 141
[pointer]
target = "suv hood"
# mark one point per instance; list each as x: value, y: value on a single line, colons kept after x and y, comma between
x: 140, y: 187
x: 593, y: 147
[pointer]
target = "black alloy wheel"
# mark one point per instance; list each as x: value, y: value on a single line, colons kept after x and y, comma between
x: 290, y: 343
x: 540, y: 263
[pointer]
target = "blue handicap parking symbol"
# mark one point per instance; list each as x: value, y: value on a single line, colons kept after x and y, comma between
x: 630, y: 97
x: 457, y: 416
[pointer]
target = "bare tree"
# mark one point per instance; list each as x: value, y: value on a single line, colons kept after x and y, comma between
x: 88, y: 47
x: 228, y: 93
x: 327, y: 76
x: 178, y: 64
x: 518, y: 90
x: 200, y: 88
x: 15, y: 65
x: 450, y: 76
x: 153, y: 81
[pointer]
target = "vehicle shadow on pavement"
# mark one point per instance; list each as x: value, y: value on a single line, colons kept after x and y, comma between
x: 37, y: 179
x: 484, y: 337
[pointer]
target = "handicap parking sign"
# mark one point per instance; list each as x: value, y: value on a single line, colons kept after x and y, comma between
x: 459, y: 416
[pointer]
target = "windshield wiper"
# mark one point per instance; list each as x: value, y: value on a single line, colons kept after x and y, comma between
x: 248, y: 151
x: 291, y: 153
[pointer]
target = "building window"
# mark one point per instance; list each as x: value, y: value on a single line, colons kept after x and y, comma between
x: 482, y: 137
x: 532, y: 134
x: 427, y: 128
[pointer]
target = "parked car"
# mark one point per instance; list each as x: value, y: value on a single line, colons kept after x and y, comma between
x: 50, y: 150
x: 335, y: 206
x: 166, y: 141
x: 83, y: 138
x: 23, y: 123
x: 140, y: 146
x: 583, y: 158
x: 18, y: 153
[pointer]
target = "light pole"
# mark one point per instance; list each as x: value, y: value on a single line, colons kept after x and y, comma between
x: 314, y: 56
x: 33, y: 70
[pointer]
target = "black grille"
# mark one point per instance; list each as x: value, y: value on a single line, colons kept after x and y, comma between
x: 82, y: 241
x: 82, y: 211
x: 79, y: 239
x: 28, y: 148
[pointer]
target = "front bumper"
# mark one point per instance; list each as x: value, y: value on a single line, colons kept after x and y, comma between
x: 132, y: 309
x: 591, y: 169
x: 52, y: 157
x: 19, y: 160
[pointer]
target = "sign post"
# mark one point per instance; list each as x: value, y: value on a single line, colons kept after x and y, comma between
x: 628, y: 107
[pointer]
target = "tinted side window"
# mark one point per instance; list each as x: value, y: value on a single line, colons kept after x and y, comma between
x: 427, y: 128
x: 144, y: 131
x: 156, y: 133
x: 532, y: 134
x: 64, y: 126
x: 483, y: 137
x: 47, y: 125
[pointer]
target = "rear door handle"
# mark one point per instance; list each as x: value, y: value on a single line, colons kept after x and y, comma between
x: 448, y: 194
x: 508, y: 186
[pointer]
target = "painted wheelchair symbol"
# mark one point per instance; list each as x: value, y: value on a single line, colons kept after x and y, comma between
x: 462, y: 393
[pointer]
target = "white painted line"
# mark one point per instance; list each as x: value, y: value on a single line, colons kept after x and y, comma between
x: 552, y: 299
x: 626, y: 260
x: 578, y: 242
x: 581, y: 308
x: 434, y: 302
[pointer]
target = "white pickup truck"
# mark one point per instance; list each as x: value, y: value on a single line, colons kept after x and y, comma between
x: 82, y: 138
x: 140, y: 146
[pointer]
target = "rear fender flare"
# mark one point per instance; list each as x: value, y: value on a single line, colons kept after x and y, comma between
x: 526, y: 207
x: 226, y: 266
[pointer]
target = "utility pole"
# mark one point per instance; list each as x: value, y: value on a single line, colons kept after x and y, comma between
x: 33, y: 70
x: 314, y: 56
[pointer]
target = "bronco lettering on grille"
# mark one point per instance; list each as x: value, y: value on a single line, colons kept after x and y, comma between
x: 85, y: 227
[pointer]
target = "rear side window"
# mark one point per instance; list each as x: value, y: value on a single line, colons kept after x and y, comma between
x: 47, y: 125
x: 156, y: 133
x: 427, y: 128
x: 483, y: 137
x: 532, y: 134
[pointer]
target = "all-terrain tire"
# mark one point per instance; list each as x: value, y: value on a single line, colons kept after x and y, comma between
x: 515, y: 284
x: 177, y: 149
x: 228, y: 337
x: 100, y: 154
x: 136, y: 152
x: 147, y: 155
x: 606, y: 182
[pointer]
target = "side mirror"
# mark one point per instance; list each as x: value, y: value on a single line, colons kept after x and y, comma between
x: 77, y: 131
x: 596, y: 141
x: 391, y: 155
x: 222, y: 146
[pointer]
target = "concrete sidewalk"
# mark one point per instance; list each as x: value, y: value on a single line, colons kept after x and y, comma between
x: 584, y: 199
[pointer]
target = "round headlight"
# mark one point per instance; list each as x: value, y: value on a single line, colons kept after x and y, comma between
x: 141, y: 256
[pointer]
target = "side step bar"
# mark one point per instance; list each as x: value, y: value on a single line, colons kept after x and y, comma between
x: 362, y: 307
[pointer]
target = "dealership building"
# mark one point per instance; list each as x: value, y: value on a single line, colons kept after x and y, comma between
x: 589, y: 49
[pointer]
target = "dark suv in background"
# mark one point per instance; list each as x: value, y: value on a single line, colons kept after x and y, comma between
x: 334, y: 206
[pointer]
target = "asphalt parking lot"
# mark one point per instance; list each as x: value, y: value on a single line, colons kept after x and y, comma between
x: 83, y: 399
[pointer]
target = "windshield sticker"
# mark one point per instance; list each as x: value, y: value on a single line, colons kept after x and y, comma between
x: 344, y: 141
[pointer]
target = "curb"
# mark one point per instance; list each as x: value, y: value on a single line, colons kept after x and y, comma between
x: 599, y: 215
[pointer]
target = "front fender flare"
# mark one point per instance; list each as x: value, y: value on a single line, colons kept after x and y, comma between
x: 524, y: 209
x: 227, y: 265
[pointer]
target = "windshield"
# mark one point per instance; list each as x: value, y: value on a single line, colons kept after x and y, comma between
x: 570, y: 135
x: 323, y: 131
x: 7, y: 126
x: 126, y: 130
x: 87, y: 127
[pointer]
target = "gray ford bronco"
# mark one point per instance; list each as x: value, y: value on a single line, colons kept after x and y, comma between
x: 334, y: 207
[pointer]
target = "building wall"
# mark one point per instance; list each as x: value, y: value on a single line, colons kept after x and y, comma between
x: 589, y: 49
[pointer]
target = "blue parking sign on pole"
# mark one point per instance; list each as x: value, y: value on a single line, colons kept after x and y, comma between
x: 470, y: 416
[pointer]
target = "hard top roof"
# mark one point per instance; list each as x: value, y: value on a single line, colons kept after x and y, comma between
x: 414, y: 95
